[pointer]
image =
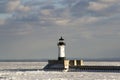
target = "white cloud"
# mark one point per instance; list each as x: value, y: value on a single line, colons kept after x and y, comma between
x: 96, y: 6
x: 109, y: 1
x: 46, y: 12
x: 13, y: 5
x: 101, y: 4
x: 24, y: 8
x: 62, y: 22
x: 41, y: 22
x: 86, y: 20
x: 54, y: 16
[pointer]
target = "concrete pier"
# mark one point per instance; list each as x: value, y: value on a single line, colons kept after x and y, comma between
x: 73, y: 65
x: 63, y: 64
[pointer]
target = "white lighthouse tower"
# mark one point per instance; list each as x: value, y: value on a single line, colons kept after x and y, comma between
x: 61, y: 49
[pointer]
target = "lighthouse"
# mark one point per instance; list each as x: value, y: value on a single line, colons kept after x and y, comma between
x: 61, y: 49
x: 62, y: 63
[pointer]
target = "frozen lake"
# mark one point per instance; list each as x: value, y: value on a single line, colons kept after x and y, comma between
x: 39, y: 74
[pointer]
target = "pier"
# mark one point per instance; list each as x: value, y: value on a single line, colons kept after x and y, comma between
x: 72, y: 65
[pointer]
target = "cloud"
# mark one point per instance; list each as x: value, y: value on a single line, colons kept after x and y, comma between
x: 109, y: 1
x: 97, y: 6
x: 24, y: 8
x: 87, y: 20
x: 57, y: 13
x: 3, y: 6
x: 46, y: 12
x: 8, y: 5
x: 62, y: 22
x: 10, y: 28
x: 104, y: 7
x: 2, y: 21
x: 12, y: 5
x: 90, y: 11
x: 33, y: 26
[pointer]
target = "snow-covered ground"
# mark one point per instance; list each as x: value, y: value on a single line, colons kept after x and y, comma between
x: 51, y: 75
x: 42, y: 75
x: 22, y: 65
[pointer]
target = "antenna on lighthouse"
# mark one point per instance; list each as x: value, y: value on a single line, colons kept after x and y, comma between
x: 61, y: 49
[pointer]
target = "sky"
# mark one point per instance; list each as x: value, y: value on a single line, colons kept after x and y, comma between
x: 30, y: 29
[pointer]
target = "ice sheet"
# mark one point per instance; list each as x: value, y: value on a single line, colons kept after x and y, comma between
x: 51, y: 75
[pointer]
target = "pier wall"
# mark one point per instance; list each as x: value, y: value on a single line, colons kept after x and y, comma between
x: 96, y: 67
x: 75, y: 62
x: 77, y: 65
x: 63, y: 64
x: 55, y: 62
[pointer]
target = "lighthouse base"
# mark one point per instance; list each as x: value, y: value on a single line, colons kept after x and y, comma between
x: 57, y: 65
x: 62, y: 64
x: 61, y: 58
